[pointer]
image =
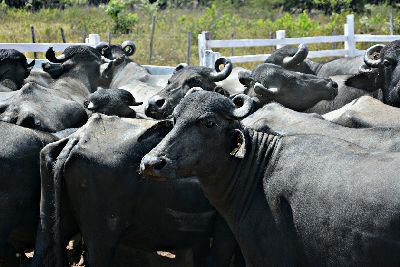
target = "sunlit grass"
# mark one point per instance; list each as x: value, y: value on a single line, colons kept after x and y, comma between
x: 171, y: 35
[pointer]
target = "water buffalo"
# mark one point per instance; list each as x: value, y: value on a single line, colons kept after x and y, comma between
x: 365, y: 112
x: 126, y: 49
x: 112, y: 207
x: 381, y: 71
x: 345, y: 95
x: 283, y: 121
x: 298, y: 91
x: 13, y: 69
x: 126, y: 74
x: 301, y: 92
x: 19, y: 186
x: 162, y: 104
x: 113, y: 102
x: 295, y: 199
x: 61, y: 105
x: 124, y: 71
x: 292, y: 58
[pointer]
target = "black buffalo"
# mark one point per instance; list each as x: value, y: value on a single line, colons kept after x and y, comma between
x: 14, y: 68
x: 381, y: 72
x: 126, y: 74
x: 365, y: 112
x: 126, y: 49
x: 298, y: 91
x: 111, y: 102
x: 111, y: 206
x: 283, y: 121
x: 295, y: 199
x: 295, y: 59
x: 271, y: 83
x: 162, y: 104
x: 61, y: 104
x: 19, y: 187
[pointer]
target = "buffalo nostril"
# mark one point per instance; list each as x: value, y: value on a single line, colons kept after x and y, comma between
x: 335, y: 85
x: 160, y: 102
x: 159, y: 164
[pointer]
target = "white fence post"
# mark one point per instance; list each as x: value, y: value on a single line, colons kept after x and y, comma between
x: 281, y: 34
x: 350, y: 44
x: 93, y: 39
x: 209, y: 58
x: 203, y: 38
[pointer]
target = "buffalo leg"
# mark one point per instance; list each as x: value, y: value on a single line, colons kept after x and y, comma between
x: 225, y: 247
x: 201, y: 255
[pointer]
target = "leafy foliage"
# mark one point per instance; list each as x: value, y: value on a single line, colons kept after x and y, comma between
x: 123, y: 19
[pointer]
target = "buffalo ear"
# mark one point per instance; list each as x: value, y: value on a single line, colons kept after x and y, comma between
x: 105, y: 70
x: 364, y: 80
x: 161, y: 129
x: 29, y: 67
x: 55, y: 70
x: 239, y: 144
x: 245, y: 78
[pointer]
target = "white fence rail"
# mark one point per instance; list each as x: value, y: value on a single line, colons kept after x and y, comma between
x: 92, y: 40
x: 207, y: 57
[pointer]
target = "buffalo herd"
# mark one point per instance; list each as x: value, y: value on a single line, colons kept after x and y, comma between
x: 292, y: 163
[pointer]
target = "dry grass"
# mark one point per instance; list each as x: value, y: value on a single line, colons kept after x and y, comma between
x: 171, y: 35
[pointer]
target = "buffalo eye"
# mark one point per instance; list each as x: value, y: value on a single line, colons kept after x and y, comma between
x: 194, y: 82
x: 386, y: 63
x: 208, y: 123
x: 168, y: 82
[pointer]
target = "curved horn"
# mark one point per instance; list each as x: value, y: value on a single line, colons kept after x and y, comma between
x: 129, y: 48
x: 30, y: 65
x: 245, y: 104
x: 51, y: 56
x: 221, y: 75
x: 300, y: 56
x: 370, y: 54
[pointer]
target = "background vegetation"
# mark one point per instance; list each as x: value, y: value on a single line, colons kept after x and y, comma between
x: 225, y: 19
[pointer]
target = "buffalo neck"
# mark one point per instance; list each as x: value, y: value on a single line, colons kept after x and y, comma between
x: 240, y: 199
x: 75, y: 83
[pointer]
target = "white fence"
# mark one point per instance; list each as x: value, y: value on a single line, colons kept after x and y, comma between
x: 92, y: 40
x: 207, y: 57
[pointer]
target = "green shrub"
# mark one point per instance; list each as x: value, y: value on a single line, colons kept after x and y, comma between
x: 123, y: 19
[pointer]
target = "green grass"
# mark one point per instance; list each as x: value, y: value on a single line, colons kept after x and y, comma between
x: 171, y: 34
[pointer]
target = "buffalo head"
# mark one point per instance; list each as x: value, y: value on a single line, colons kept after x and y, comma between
x: 14, y: 68
x: 206, y: 133
x: 381, y: 71
x: 79, y: 61
x: 271, y: 83
x: 162, y: 104
x: 291, y: 58
x: 126, y: 49
x: 112, y: 102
